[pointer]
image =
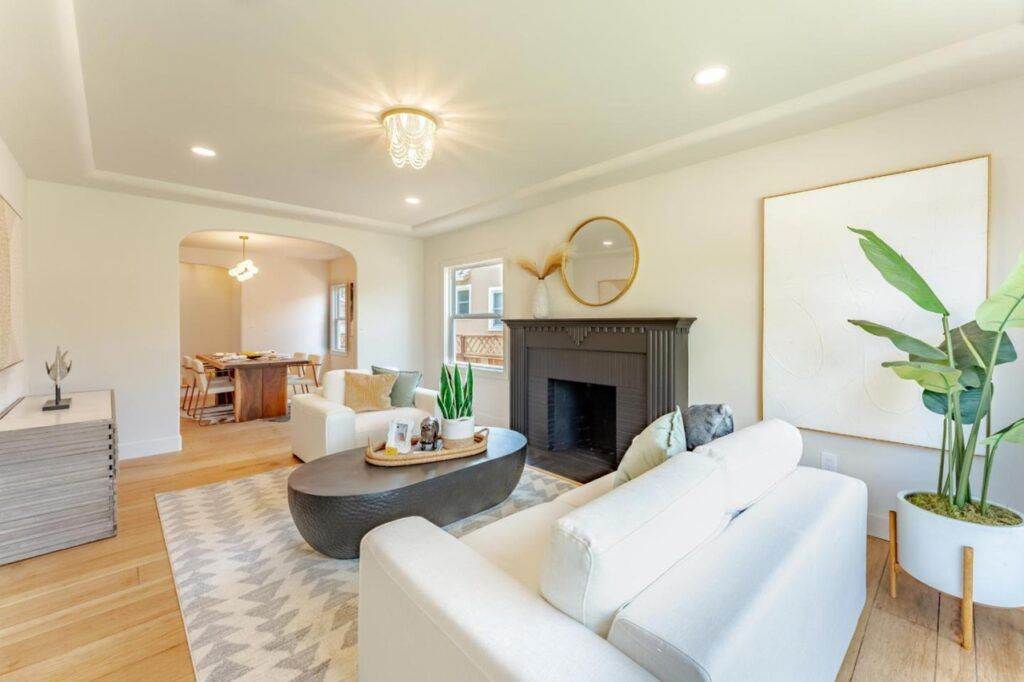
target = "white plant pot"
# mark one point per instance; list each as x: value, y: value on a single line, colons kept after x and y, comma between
x: 541, y: 305
x: 456, y: 430
x: 930, y: 548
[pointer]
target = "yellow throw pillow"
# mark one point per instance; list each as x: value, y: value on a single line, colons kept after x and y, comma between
x: 367, y: 392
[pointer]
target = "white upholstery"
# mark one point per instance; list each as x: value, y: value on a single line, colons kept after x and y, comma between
x: 606, y: 552
x: 431, y: 608
x: 755, y: 459
x: 517, y: 546
x: 322, y: 425
x: 775, y: 597
x: 577, y: 497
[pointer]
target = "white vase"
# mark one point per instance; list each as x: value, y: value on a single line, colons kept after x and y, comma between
x: 541, y: 304
x: 930, y: 548
x: 458, y: 430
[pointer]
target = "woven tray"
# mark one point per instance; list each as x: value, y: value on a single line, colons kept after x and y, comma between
x: 375, y: 454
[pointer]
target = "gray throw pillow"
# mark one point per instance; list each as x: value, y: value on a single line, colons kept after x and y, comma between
x: 404, y: 390
x: 704, y: 423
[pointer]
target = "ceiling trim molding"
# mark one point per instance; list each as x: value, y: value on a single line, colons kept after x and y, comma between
x: 986, y: 59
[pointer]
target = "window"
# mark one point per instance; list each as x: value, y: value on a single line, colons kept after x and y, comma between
x: 341, y: 301
x: 496, y: 305
x: 476, y: 302
x: 463, y: 297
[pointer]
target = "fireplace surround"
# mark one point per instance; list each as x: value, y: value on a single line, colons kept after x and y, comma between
x: 588, y: 386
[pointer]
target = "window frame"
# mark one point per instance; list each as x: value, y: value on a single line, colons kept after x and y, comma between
x: 468, y: 288
x: 344, y: 316
x: 451, y: 287
x: 496, y: 325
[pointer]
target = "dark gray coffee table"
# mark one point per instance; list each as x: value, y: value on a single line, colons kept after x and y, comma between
x: 338, y: 499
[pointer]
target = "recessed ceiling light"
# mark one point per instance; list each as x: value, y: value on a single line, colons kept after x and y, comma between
x: 607, y: 242
x: 712, y: 74
x: 203, y: 151
x: 412, y: 200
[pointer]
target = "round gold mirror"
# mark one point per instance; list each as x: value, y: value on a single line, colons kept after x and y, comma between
x: 601, y: 261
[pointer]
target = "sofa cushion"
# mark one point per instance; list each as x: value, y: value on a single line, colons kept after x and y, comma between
x: 663, y: 438
x: 364, y: 393
x: 607, y: 551
x: 755, y: 459
x: 406, y: 383
x: 333, y: 384
x: 775, y: 597
x: 577, y: 497
x: 516, y: 543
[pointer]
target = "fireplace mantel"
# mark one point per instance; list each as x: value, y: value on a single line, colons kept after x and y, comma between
x: 644, y: 358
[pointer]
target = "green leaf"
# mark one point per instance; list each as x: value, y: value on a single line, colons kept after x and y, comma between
x: 457, y: 391
x: 1005, y: 308
x: 984, y: 342
x: 469, y: 390
x: 1013, y: 433
x: 898, y: 272
x: 904, y: 342
x: 971, y: 377
x: 929, y: 376
x: 970, y: 402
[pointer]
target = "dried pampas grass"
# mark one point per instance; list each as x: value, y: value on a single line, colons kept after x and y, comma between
x: 552, y: 263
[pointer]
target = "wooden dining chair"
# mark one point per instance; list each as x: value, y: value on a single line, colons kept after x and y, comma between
x: 188, y: 381
x: 304, y: 381
x: 205, y: 385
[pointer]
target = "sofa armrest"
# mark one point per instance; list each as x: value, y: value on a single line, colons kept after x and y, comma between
x: 320, y: 427
x: 426, y: 400
x: 431, y: 608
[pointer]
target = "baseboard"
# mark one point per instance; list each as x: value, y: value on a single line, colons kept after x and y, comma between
x: 878, y: 525
x: 145, y: 448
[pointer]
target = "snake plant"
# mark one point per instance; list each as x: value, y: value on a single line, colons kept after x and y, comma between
x: 455, y: 399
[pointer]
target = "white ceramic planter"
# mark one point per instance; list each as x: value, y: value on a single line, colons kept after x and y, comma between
x: 930, y: 548
x: 461, y: 429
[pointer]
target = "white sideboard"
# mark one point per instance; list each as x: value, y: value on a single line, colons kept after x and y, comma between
x: 58, y: 473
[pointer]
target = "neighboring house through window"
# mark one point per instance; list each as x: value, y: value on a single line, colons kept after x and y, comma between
x: 475, y: 305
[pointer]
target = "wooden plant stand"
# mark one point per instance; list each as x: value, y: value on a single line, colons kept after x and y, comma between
x: 966, y: 602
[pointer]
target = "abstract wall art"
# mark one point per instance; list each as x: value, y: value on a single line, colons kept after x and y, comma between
x: 820, y: 372
x: 10, y: 318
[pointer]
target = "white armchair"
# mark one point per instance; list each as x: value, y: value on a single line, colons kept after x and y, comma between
x: 321, y: 424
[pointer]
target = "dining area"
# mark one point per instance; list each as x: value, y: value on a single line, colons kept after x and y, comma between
x: 222, y: 387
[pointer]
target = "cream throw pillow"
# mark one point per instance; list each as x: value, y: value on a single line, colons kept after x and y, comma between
x: 368, y: 392
x: 663, y: 438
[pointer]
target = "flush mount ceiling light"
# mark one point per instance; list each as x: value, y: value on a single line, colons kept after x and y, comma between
x: 412, y: 200
x: 244, y: 269
x: 203, y: 151
x: 410, y: 136
x: 710, y: 75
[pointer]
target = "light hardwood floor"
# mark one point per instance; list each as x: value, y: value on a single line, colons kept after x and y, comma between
x: 109, y: 610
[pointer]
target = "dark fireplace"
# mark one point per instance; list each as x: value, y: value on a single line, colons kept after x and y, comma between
x: 581, y: 389
x: 581, y: 419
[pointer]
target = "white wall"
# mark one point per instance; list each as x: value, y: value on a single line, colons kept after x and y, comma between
x: 699, y: 233
x: 102, y: 280
x: 211, y: 309
x: 13, y: 382
x: 283, y: 308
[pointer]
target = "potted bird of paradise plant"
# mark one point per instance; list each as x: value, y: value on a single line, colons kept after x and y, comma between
x: 957, y: 381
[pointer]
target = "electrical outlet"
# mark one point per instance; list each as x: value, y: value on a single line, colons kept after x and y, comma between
x: 829, y: 461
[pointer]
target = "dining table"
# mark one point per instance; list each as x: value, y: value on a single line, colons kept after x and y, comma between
x: 261, y: 384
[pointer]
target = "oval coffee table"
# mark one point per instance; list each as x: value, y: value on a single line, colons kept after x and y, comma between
x: 337, y: 499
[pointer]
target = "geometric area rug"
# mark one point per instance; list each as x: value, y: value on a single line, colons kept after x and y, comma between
x: 257, y: 601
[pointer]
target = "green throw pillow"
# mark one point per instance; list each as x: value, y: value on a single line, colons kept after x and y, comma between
x: 405, y: 385
x: 663, y: 438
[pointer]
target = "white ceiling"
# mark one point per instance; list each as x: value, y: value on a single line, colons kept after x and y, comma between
x: 289, y: 247
x: 538, y: 99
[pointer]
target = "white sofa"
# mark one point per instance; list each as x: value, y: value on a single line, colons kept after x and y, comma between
x: 727, y: 564
x: 321, y: 424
